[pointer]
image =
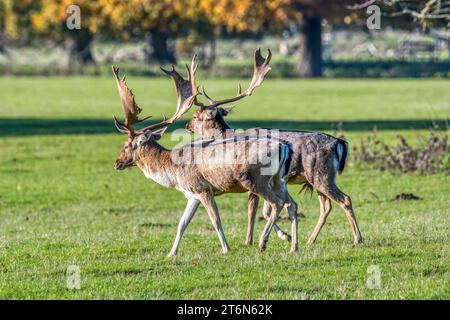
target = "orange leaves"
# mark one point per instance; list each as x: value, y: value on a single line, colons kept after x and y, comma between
x: 243, y: 15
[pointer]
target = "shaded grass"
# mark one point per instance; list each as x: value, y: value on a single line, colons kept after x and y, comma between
x: 34, y: 126
x: 62, y: 204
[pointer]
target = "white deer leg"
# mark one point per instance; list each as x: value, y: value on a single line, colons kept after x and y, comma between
x: 189, y: 212
x: 280, y: 233
x: 213, y: 213
x: 269, y: 225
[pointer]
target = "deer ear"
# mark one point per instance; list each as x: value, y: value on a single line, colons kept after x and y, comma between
x: 158, y: 133
x: 211, y: 113
x: 225, y: 111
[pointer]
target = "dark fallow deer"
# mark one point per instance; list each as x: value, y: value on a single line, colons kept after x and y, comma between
x: 318, y: 157
x: 205, y: 177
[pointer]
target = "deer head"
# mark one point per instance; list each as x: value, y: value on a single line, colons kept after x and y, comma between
x: 210, y: 117
x: 138, y: 139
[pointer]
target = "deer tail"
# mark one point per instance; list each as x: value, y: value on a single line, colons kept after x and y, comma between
x: 341, y: 153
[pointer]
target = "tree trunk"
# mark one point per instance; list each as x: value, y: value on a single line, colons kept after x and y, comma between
x: 310, y: 56
x: 161, y: 52
x: 2, y: 46
x: 80, y: 49
x: 212, y: 51
x: 207, y: 52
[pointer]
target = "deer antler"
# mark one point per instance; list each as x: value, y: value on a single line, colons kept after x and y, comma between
x: 261, y: 68
x: 129, y: 106
x: 186, y: 90
x: 186, y: 97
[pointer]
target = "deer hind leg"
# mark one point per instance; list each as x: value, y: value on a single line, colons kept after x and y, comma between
x: 334, y: 193
x: 280, y: 233
x: 253, y: 201
x: 325, y: 209
x: 213, y: 213
x: 189, y: 212
x: 267, y: 193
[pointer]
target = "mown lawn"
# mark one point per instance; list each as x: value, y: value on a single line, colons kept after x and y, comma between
x: 62, y: 204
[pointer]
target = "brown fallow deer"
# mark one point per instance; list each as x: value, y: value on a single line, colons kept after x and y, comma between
x: 205, y: 177
x: 318, y: 157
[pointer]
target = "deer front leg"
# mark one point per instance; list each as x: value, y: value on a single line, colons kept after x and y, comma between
x: 213, y: 213
x: 189, y: 212
x: 253, y: 201
x: 276, y: 208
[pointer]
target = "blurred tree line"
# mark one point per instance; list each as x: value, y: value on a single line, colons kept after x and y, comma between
x: 196, y: 21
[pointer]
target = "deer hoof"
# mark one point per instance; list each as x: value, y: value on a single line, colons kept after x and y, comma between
x: 358, y: 241
x: 262, y: 246
x: 283, y: 236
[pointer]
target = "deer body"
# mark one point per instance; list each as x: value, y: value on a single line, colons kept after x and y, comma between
x: 203, y: 179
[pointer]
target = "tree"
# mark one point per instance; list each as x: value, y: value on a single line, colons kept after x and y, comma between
x: 154, y: 20
x: 310, y: 14
x: 14, y: 19
x: 52, y: 20
x: 276, y: 15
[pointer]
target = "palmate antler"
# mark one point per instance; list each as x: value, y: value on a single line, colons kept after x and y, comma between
x: 186, y: 97
x: 129, y: 106
x: 261, y: 68
x: 186, y: 90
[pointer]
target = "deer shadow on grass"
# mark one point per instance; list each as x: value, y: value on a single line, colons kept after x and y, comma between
x: 36, y: 126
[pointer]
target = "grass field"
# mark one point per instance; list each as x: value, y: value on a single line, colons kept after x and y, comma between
x: 62, y: 204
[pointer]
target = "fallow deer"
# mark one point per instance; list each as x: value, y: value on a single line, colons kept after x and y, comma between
x: 203, y: 179
x: 318, y: 157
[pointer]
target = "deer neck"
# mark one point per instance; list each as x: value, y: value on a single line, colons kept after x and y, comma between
x: 156, y: 163
x: 219, y: 128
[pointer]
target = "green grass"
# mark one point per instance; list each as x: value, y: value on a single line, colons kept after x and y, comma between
x: 62, y: 204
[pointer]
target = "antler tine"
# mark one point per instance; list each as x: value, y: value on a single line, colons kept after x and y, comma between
x: 191, y: 74
x: 261, y: 68
x: 129, y: 106
x: 173, y: 73
x: 119, y: 126
x: 210, y: 100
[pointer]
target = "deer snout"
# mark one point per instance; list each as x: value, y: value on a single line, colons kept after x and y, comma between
x: 119, y: 165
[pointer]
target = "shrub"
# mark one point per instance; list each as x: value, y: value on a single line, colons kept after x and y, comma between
x: 431, y: 156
